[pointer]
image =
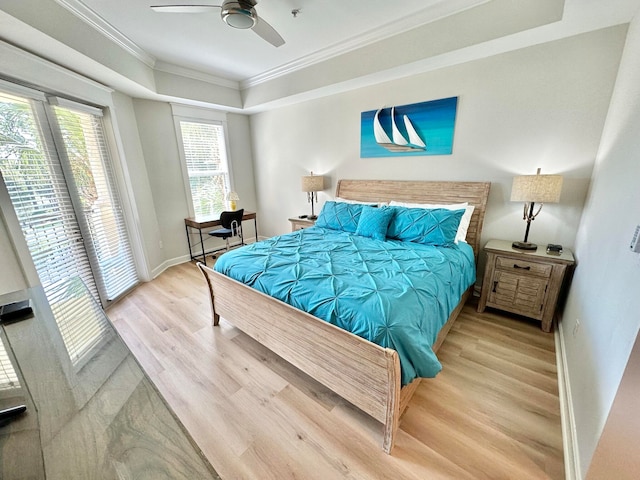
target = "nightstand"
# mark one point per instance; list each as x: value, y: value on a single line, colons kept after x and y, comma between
x: 300, y: 223
x: 526, y: 283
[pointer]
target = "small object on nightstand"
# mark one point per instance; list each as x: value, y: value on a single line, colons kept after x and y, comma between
x: 553, y: 249
x: 303, y: 216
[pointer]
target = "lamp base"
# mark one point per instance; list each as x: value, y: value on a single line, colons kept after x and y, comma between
x: 525, y: 246
x: 312, y: 217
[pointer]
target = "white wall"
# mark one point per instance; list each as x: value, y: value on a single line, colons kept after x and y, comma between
x: 160, y: 148
x: 604, y: 294
x: 542, y: 106
x: 141, y: 209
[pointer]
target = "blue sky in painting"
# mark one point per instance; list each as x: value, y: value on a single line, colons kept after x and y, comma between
x: 433, y: 120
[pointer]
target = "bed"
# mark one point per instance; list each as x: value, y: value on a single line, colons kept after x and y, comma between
x: 364, y: 373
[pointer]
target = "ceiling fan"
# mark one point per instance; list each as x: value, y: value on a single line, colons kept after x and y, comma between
x: 236, y: 13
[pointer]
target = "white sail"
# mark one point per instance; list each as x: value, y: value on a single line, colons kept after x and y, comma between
x: 398, y: 138
x: 414, y: 138
x: 378, y: 131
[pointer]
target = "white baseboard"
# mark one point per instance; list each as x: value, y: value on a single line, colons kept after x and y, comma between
x: 569, y: 434
x: 169, y: 263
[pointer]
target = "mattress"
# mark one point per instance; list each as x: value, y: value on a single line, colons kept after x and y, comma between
x: 395, y: 294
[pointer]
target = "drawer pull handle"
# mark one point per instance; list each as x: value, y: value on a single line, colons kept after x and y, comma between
x: 495, y: 285
x: 528, y: 267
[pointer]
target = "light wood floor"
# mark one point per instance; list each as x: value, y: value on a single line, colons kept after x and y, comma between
x: 493, y: 411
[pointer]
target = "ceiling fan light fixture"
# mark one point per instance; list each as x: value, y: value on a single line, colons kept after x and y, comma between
x: 239, y: 15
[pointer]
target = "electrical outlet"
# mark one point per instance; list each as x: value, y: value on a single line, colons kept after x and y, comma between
x: 576, y: 327
x: 161, y: 244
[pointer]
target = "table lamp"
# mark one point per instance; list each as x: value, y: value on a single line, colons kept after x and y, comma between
x: 532, y: 189
x: 232, y: 199
x: 312, y: 184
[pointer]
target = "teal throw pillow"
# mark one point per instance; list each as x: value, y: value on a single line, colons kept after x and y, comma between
x: 340, y: 216
x: 426, y: 226
x: 374, y: 221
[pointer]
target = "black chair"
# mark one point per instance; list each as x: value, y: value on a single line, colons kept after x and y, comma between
x: 231, y: 226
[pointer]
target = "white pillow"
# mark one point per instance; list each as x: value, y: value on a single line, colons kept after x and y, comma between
x: 346, y: 200
x: 461, y: 234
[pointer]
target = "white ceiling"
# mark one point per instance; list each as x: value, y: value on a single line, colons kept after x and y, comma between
x: 203, y: 42
x: 332, y: 45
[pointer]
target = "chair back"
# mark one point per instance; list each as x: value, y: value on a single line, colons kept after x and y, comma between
x: 232, y: 220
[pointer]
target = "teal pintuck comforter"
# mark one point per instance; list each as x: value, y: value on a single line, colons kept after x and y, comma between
x: 395, y: 294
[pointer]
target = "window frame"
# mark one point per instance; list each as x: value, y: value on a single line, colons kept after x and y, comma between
x: 185, y: 113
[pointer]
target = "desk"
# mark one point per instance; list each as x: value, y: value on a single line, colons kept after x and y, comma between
x: 200, y: 223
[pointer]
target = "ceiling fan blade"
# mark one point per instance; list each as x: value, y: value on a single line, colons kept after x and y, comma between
x: 268, y: 33
x: 183, y: 8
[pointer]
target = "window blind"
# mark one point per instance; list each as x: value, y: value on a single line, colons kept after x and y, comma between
x: 87, y: 155
x: 206, y: 161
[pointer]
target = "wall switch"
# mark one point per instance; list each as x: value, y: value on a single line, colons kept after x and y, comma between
x: 635, y: 241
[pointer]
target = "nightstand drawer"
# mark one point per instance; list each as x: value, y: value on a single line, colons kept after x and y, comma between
x: 523, y: 267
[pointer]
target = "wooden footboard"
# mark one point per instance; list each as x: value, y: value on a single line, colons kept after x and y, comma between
x: 361, y: 372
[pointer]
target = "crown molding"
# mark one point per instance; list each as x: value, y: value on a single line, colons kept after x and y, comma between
x: 91, y: 18
x: 30, y: 69
x: 442, y: 9
x: 196, y: 75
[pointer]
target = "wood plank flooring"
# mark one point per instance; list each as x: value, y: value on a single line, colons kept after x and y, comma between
x: 493, y: 411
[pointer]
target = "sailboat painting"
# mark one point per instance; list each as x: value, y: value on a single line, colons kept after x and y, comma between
x: 418, y: 129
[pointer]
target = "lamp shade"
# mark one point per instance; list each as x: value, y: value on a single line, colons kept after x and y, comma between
x: 536, y: 188
x: 312, y: 183
x: 233, y: 196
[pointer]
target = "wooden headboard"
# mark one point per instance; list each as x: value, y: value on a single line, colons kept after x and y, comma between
x: 476, y: 193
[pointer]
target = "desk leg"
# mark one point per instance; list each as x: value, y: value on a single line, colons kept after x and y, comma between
x: 186, y: 227
x: 204, y: 256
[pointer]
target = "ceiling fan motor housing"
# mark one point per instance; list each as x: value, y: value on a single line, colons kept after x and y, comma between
x: 239, y: 14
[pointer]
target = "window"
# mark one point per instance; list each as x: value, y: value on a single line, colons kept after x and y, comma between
x: 204, y: 152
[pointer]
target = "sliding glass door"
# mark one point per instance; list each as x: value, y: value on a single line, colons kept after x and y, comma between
x: 55, y: 163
